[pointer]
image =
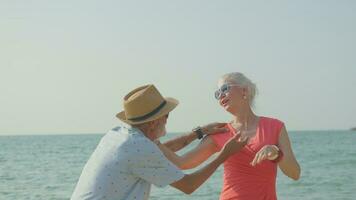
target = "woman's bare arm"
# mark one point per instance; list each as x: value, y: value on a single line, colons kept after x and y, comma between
x: 289, y: 165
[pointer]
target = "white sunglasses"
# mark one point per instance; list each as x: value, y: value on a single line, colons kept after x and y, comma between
x: 223, y: 90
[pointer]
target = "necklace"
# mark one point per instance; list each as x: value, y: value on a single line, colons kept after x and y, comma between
x: 239, y: 128
x: 243, y: 129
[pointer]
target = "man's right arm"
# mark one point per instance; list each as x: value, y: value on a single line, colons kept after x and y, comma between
x: 192, y: 158
x: 190, y: 182
x: 180, y: 142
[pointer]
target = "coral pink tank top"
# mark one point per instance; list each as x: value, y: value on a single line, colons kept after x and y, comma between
x: 243, y: 181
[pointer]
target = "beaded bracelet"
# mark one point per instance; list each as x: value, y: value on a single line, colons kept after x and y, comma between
x: 279, y: 156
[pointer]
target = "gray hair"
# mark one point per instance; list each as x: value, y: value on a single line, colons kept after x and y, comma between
x: 241, y: 80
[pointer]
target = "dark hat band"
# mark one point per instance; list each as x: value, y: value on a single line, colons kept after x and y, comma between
x: 150, y: 114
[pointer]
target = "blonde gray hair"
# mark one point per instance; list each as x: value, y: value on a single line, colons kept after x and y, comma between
x: 241, y: 80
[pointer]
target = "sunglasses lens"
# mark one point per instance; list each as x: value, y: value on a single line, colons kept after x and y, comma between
x: 224, y: 88
x: 217, y: 94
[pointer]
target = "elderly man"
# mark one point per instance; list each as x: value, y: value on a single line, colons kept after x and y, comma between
x: 127, y: 160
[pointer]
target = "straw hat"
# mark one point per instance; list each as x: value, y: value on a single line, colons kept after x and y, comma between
x: 145, y: 104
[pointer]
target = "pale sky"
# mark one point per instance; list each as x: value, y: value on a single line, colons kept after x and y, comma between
x: 66, y: 65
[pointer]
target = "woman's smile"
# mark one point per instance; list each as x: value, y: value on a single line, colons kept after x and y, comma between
x: 224, y: 102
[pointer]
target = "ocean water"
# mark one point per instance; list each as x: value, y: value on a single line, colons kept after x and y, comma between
x: 48, y: 167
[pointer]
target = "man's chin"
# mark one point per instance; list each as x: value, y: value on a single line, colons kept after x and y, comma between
x: 162, y: 134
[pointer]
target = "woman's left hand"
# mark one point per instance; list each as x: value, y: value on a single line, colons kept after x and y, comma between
x: 266, y: 152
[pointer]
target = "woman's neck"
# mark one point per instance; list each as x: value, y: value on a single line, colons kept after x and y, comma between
x: 244, y: 118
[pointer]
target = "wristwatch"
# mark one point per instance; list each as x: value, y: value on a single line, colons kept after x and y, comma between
x: 198, y: 130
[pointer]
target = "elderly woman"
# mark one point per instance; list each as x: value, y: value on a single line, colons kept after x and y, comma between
x: 251, y: 173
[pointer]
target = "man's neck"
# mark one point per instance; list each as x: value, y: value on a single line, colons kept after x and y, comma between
x: 147, y: 133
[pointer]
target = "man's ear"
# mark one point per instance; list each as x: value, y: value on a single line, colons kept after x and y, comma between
x: 153, y: 123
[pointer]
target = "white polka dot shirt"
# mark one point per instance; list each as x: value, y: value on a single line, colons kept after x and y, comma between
x: 123, y: 166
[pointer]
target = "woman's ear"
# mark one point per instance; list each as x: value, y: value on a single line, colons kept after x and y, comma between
x: 244, y: 93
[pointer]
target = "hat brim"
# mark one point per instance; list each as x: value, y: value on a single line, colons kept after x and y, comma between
x: 168, y: 107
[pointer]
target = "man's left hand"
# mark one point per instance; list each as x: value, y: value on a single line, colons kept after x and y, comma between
x: 213, y: 128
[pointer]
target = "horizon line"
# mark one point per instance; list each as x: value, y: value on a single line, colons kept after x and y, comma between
x: 173, y: 132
